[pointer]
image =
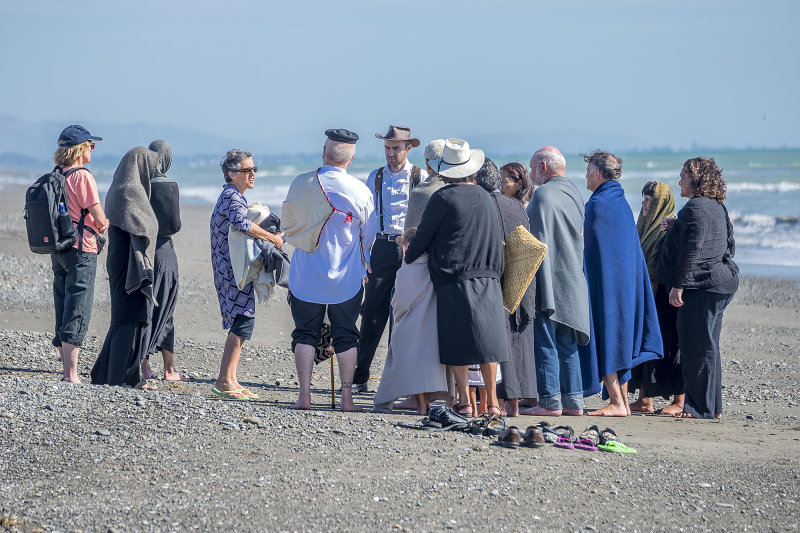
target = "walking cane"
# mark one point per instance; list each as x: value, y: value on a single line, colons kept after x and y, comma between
x: 333, y: 394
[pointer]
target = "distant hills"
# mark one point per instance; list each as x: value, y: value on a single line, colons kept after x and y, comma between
x: 25, y: 144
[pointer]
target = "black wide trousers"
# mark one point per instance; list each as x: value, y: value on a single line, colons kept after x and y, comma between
x: 386, y: 259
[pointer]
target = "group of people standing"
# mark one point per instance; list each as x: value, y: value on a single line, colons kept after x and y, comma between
x: 616, y: 303
x: 139, y: 218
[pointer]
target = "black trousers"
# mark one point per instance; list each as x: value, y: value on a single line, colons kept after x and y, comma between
x: 386, y: 259
x: 699, y: 326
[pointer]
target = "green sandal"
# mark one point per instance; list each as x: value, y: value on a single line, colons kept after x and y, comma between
x: 610, y: 443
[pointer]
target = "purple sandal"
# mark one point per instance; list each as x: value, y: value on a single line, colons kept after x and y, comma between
x: 588, y: 439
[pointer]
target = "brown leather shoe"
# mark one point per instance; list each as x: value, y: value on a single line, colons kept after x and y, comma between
x: 510, y: 438
x: 533, y: 437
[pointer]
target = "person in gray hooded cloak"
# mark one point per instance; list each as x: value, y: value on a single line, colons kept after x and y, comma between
x: 165, y: 200
x: 131, y: 249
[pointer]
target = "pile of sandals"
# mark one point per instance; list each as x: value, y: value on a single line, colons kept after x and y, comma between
x: 489, y: 425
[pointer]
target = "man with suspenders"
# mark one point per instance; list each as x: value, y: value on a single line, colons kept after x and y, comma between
x: 390, y: 186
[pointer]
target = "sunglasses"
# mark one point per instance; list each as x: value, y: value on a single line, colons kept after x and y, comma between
x: 254, y: 170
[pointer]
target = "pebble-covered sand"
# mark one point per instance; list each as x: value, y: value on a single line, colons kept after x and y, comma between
x: 92, y: 458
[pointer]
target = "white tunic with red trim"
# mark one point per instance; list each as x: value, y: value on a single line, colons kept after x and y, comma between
x: 332, y: 274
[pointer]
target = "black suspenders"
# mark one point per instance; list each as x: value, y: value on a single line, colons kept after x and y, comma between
x: 415, y: 179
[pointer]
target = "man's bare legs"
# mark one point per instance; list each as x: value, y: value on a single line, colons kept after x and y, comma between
x: 674, y: 408
x: 227, y: 381
x: 617, y: 395
x: 69, y: 362
x: 347, y: 367
x: 304, y: 363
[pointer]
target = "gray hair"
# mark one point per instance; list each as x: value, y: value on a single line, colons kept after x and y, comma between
x: 488, y: 176
x: 553, y: 159
x: 233, y: 162
x: 434, y: 149
x: 609, y: 165
x: 339, y: 153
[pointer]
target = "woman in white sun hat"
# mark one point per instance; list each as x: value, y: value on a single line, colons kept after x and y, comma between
x: 460, y: 230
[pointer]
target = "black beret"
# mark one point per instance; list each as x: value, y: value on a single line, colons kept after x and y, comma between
x: 342, y: 136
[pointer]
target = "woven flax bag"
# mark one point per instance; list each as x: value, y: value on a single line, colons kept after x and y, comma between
x: 524, y: 254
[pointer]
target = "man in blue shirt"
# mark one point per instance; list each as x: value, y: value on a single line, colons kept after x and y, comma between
x: 329, y: 279
x: 390, y: 186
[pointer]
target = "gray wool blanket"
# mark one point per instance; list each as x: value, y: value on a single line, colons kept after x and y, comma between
x: 418, y: 199
x: 556, y: 215
x: 128, y: 208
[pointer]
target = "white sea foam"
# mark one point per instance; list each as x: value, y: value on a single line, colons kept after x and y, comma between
x: 747, y: 186
x: 272, y: 196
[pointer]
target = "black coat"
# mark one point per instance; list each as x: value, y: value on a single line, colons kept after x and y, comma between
x: 697, y: 251
x: 460, y: 230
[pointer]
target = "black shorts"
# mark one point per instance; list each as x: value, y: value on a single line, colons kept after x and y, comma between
x: 243, y: 326
x: 308, y: 318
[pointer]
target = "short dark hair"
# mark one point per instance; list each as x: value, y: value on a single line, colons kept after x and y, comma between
x: 488, y: 176
x: 519, y: 173
x: 233, y: 162
x: 609, y: 165
x: 706, y: 178
x: 649, y: 188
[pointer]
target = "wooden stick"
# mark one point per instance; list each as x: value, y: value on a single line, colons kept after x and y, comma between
x: 333, y: 393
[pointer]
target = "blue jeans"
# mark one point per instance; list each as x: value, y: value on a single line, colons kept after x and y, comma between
x: 558, y: 367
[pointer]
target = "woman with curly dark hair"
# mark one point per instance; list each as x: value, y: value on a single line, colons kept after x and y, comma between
x: 514, y: 182
x: 696, y: 262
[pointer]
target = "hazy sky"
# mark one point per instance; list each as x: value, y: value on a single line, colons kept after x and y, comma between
x: 522, y: 74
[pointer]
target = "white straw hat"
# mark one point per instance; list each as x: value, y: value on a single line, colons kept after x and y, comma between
x: 457, y: 160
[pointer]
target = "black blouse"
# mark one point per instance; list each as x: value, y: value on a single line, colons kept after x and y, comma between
x: 460, y: 230
x: 697, y: 252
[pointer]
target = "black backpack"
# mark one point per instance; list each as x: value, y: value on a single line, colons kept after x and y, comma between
x: 47, y: 219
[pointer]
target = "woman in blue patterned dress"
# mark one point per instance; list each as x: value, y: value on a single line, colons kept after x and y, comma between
x: 238, y: 307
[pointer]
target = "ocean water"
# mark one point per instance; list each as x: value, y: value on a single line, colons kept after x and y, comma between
x: 763, y: 193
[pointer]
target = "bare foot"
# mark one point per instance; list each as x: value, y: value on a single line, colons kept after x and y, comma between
x: 496, y: 410
x: 718, y: 416
x: 572, y: 412
x: 147, y: 373
x: 350, y: 408
x: 642, y: 406
x: 174, y: 376
x: 540, y: 411
x: 610, y: 410
x: 683, y: 415
x: 671, y: 410
x: 144, y: 385
x: 300, y: 406
x: 512, y: 407
x: 73, y: 380
x: 408, y: 403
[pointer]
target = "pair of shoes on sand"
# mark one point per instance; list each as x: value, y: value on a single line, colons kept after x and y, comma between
x: 592, y: 439
x: 512, y: 438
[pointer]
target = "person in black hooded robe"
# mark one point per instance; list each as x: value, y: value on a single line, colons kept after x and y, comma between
x: 165, y: 200
x: 131, y: 248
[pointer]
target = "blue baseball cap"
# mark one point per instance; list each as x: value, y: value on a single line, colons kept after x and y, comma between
x: 75, y: 135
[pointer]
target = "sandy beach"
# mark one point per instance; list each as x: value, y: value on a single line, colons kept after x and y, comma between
x: 88, y: 458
